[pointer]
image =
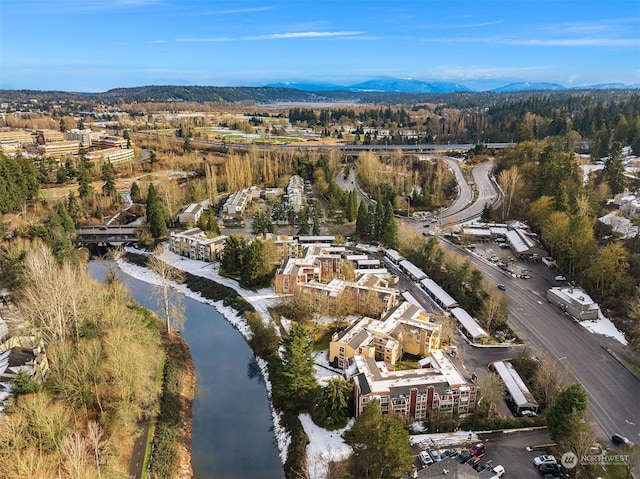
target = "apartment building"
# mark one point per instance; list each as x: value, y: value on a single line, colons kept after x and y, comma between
x: 438, y: 389
x: 193, y: 243
x: 296, y: 271
x: 406, y: 329
x: 237, y: 202
x: 190, y: 214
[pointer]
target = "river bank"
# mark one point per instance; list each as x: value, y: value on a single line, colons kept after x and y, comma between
x: 228, y: 299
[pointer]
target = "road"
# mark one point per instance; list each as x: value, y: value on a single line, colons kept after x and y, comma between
x: 466, y: 207
x: 612, y: 390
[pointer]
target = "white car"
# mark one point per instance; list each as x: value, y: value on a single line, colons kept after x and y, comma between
x: 498, y: 472
x: 560, y: 278
x: 425, y: 458
x: 544, y: 459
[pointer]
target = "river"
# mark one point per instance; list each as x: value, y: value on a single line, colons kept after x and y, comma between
x: 232, y: 426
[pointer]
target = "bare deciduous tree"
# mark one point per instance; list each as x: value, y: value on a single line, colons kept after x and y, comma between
x: 511, y: 183
x: 170, y: 301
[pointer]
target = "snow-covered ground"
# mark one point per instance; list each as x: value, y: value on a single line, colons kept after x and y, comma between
x: 324, y: 446
x: 604, y: 326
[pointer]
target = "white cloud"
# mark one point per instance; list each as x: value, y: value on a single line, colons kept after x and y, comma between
x: 272, y: 36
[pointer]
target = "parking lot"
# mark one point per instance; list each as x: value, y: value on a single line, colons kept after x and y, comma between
x: 508, y: 450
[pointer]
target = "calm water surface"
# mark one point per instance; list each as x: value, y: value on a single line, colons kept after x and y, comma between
x: 232, y: 426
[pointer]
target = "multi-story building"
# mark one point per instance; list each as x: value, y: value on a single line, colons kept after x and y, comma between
x: 23, y: 137
x: 237, y: 202
x: 366, y: 296
x: 438, y: 389
x: 406, y: 329
x: 295, y: 193
x: 193, y: 243
x: 87, y: 136
x: 49, y: 136
x: 286, y: 245
x: 111, y: 155
x: 104, y: 142
x: 58, y: 149
x: 295, y: 271
x: 190, y: 214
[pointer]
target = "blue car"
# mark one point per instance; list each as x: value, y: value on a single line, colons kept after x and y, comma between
x: 502, y: 287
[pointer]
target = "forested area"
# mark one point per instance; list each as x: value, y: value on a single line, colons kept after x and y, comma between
x: 543, y: 184
x: 103, y: 352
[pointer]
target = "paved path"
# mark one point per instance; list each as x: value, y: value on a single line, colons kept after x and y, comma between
x: 139, y: 448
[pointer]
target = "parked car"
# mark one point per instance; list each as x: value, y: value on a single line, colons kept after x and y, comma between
x: 477, y: 449
x: 544, y: 459
x: 471, y: 246
x: 502, y: 287
x: 528, y: 413
x: 474, y: 461
x: 553, y: 469
x: 494, y: 259
x: 560, y: 278
x: 498, y: 472
x: 463, y: 457
x: 448, y: 453
x: 620, y: 439
x: 425, y: 458
x: 434, y: 455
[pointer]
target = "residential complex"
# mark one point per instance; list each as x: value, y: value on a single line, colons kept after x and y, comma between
x: 194, y: 243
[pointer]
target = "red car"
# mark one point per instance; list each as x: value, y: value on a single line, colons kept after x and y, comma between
x: 477, y: 450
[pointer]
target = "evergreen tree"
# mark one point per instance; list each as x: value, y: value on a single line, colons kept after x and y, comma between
x: 85, y: 189
x: 614, y: 169
x: 304, y: 221
x: 378, y: 218
x: 380, y: 445
x: 233, y: 254
x: 297, y: 385
x: 135, y: 192
x: 571, y: 403
x: 334, y: 405
x: 362, y: 222
x: 155, y: 213
x: 73, y: 207
x: 262, y: 223
x: 109, y: 186
x: 354, y: 206
x: 153, y: 158
x: 389, y: 236
x: 65, y: 219
x: 486, y: 215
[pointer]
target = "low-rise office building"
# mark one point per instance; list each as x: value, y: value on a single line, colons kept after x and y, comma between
x: 574, y: 301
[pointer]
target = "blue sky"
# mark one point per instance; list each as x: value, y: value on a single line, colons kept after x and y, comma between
x: 96, y: 45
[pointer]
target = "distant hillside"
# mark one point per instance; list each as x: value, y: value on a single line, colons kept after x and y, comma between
x: 526, y: 86
x: 407, y: 85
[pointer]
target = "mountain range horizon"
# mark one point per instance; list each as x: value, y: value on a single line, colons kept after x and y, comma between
x: 389, y: 85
